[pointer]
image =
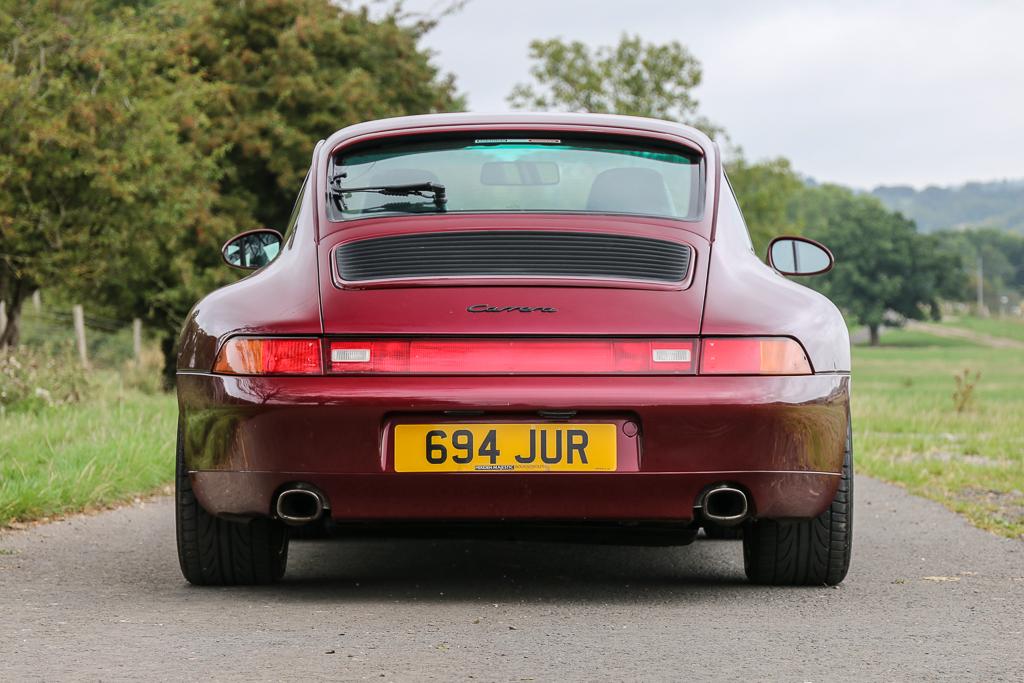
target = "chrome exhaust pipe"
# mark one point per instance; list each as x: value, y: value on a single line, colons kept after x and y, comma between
x: 299, y: 506
x: 725, y: 506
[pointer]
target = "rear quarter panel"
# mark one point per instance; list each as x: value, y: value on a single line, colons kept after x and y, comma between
x: 281, y: 298
x: 747, y: 297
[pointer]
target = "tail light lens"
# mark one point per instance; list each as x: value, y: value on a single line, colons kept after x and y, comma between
x: 753, y: 356
x: 513, y: 356
x: 269, y: 356
x: 718, y: 356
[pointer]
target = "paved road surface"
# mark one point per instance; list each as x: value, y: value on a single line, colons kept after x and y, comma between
x: 101, y: 598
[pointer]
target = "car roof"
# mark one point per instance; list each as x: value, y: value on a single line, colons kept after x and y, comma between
x: 624, y: 124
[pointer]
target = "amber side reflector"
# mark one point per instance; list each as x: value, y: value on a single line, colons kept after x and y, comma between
x: 269, y: 356
x: 753, y: 356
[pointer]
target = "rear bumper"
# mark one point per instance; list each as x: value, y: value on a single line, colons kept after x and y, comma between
x: 780, y: 438
x: 562, y: 496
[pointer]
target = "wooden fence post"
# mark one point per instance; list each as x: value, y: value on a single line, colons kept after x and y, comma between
x: 137, y: 340
x: 79, y: 318
x: 37, y: 300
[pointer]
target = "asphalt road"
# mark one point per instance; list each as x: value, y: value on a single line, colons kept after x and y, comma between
x: 100, y: 597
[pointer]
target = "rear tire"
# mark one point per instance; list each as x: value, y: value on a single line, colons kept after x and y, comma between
x: 811, y: 552
x: 218, y: 552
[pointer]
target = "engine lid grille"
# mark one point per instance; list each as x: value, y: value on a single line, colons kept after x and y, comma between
x: 513, y: 253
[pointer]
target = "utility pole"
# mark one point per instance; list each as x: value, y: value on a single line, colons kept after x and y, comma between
x: 981, y: 286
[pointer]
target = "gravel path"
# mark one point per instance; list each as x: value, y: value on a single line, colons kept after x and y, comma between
x: 100, y: 597
x: 961, y: 333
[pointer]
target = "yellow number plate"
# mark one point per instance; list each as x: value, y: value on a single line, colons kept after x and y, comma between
x: 505, y: 448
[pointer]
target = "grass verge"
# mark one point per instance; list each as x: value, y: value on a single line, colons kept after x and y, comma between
x: 118, y: 444
x: 907, y: 428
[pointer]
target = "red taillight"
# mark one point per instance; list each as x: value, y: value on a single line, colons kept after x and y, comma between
x: 269, y: 356
x: 719, y: 356
x: 753, y: 356
x: 513, y: 356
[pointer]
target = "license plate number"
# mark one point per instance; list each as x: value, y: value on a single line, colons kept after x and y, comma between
x: 505, y: 447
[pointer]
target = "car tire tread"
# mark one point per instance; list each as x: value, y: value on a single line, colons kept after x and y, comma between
x: 220, y: 552
x: 809, y: 552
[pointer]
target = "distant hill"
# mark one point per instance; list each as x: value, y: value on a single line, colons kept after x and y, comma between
x: 995, y: 204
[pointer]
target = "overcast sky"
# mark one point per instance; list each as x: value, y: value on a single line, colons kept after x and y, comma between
x: 862, y: 93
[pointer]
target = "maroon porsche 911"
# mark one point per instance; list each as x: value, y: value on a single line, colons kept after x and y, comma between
x: 530, y: 325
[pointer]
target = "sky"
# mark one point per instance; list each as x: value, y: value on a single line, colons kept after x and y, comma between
x: 862, y: 93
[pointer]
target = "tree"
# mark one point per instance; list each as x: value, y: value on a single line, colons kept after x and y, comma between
x: 98, y: 156
x: 883, y: 266
x: 281, y: 75
x: 137, y: 136
x: 1002, y: 257
x: 287, y: 73
x: 632, y: 78
x: 768, y: 192
x: 644, y: 79
x: 885, y: 270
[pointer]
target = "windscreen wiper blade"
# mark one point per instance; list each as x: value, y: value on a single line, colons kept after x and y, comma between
x: 425, y: 190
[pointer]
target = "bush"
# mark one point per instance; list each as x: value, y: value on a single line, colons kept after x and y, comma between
x: 31, y: 379
x: 144, y: 375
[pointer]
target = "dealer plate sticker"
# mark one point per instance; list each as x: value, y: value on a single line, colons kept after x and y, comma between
x: 505, y: 447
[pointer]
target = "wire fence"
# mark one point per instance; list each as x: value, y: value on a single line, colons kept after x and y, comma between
x: 97, y: 341
x: 67, y: 354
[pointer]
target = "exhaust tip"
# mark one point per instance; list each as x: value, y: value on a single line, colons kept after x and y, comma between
x: 725, y: 506
x: 299, y: 506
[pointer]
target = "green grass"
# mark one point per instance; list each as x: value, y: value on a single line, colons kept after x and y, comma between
x: 1010, y: 328
x: 907, y: 430
x: 118, y: 444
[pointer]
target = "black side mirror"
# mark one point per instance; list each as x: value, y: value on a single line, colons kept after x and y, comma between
x: 253, y: 249
x: 799, y: 256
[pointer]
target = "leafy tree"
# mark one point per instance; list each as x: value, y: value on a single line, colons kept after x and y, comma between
x: 768, y: 193
x: 657, y: 81
x: 883, y: 265
x: 287, y: 73
x: 632, y: 78
x: 99, y: 168
x: 281, y: 74
x: 885, y: 270
x: 136, y: 136
x: 1002, y: 257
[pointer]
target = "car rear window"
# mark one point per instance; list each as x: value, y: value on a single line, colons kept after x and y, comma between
x: 516, y: 174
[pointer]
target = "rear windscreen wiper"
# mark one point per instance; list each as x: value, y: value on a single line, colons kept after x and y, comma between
x: 425, y: 190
